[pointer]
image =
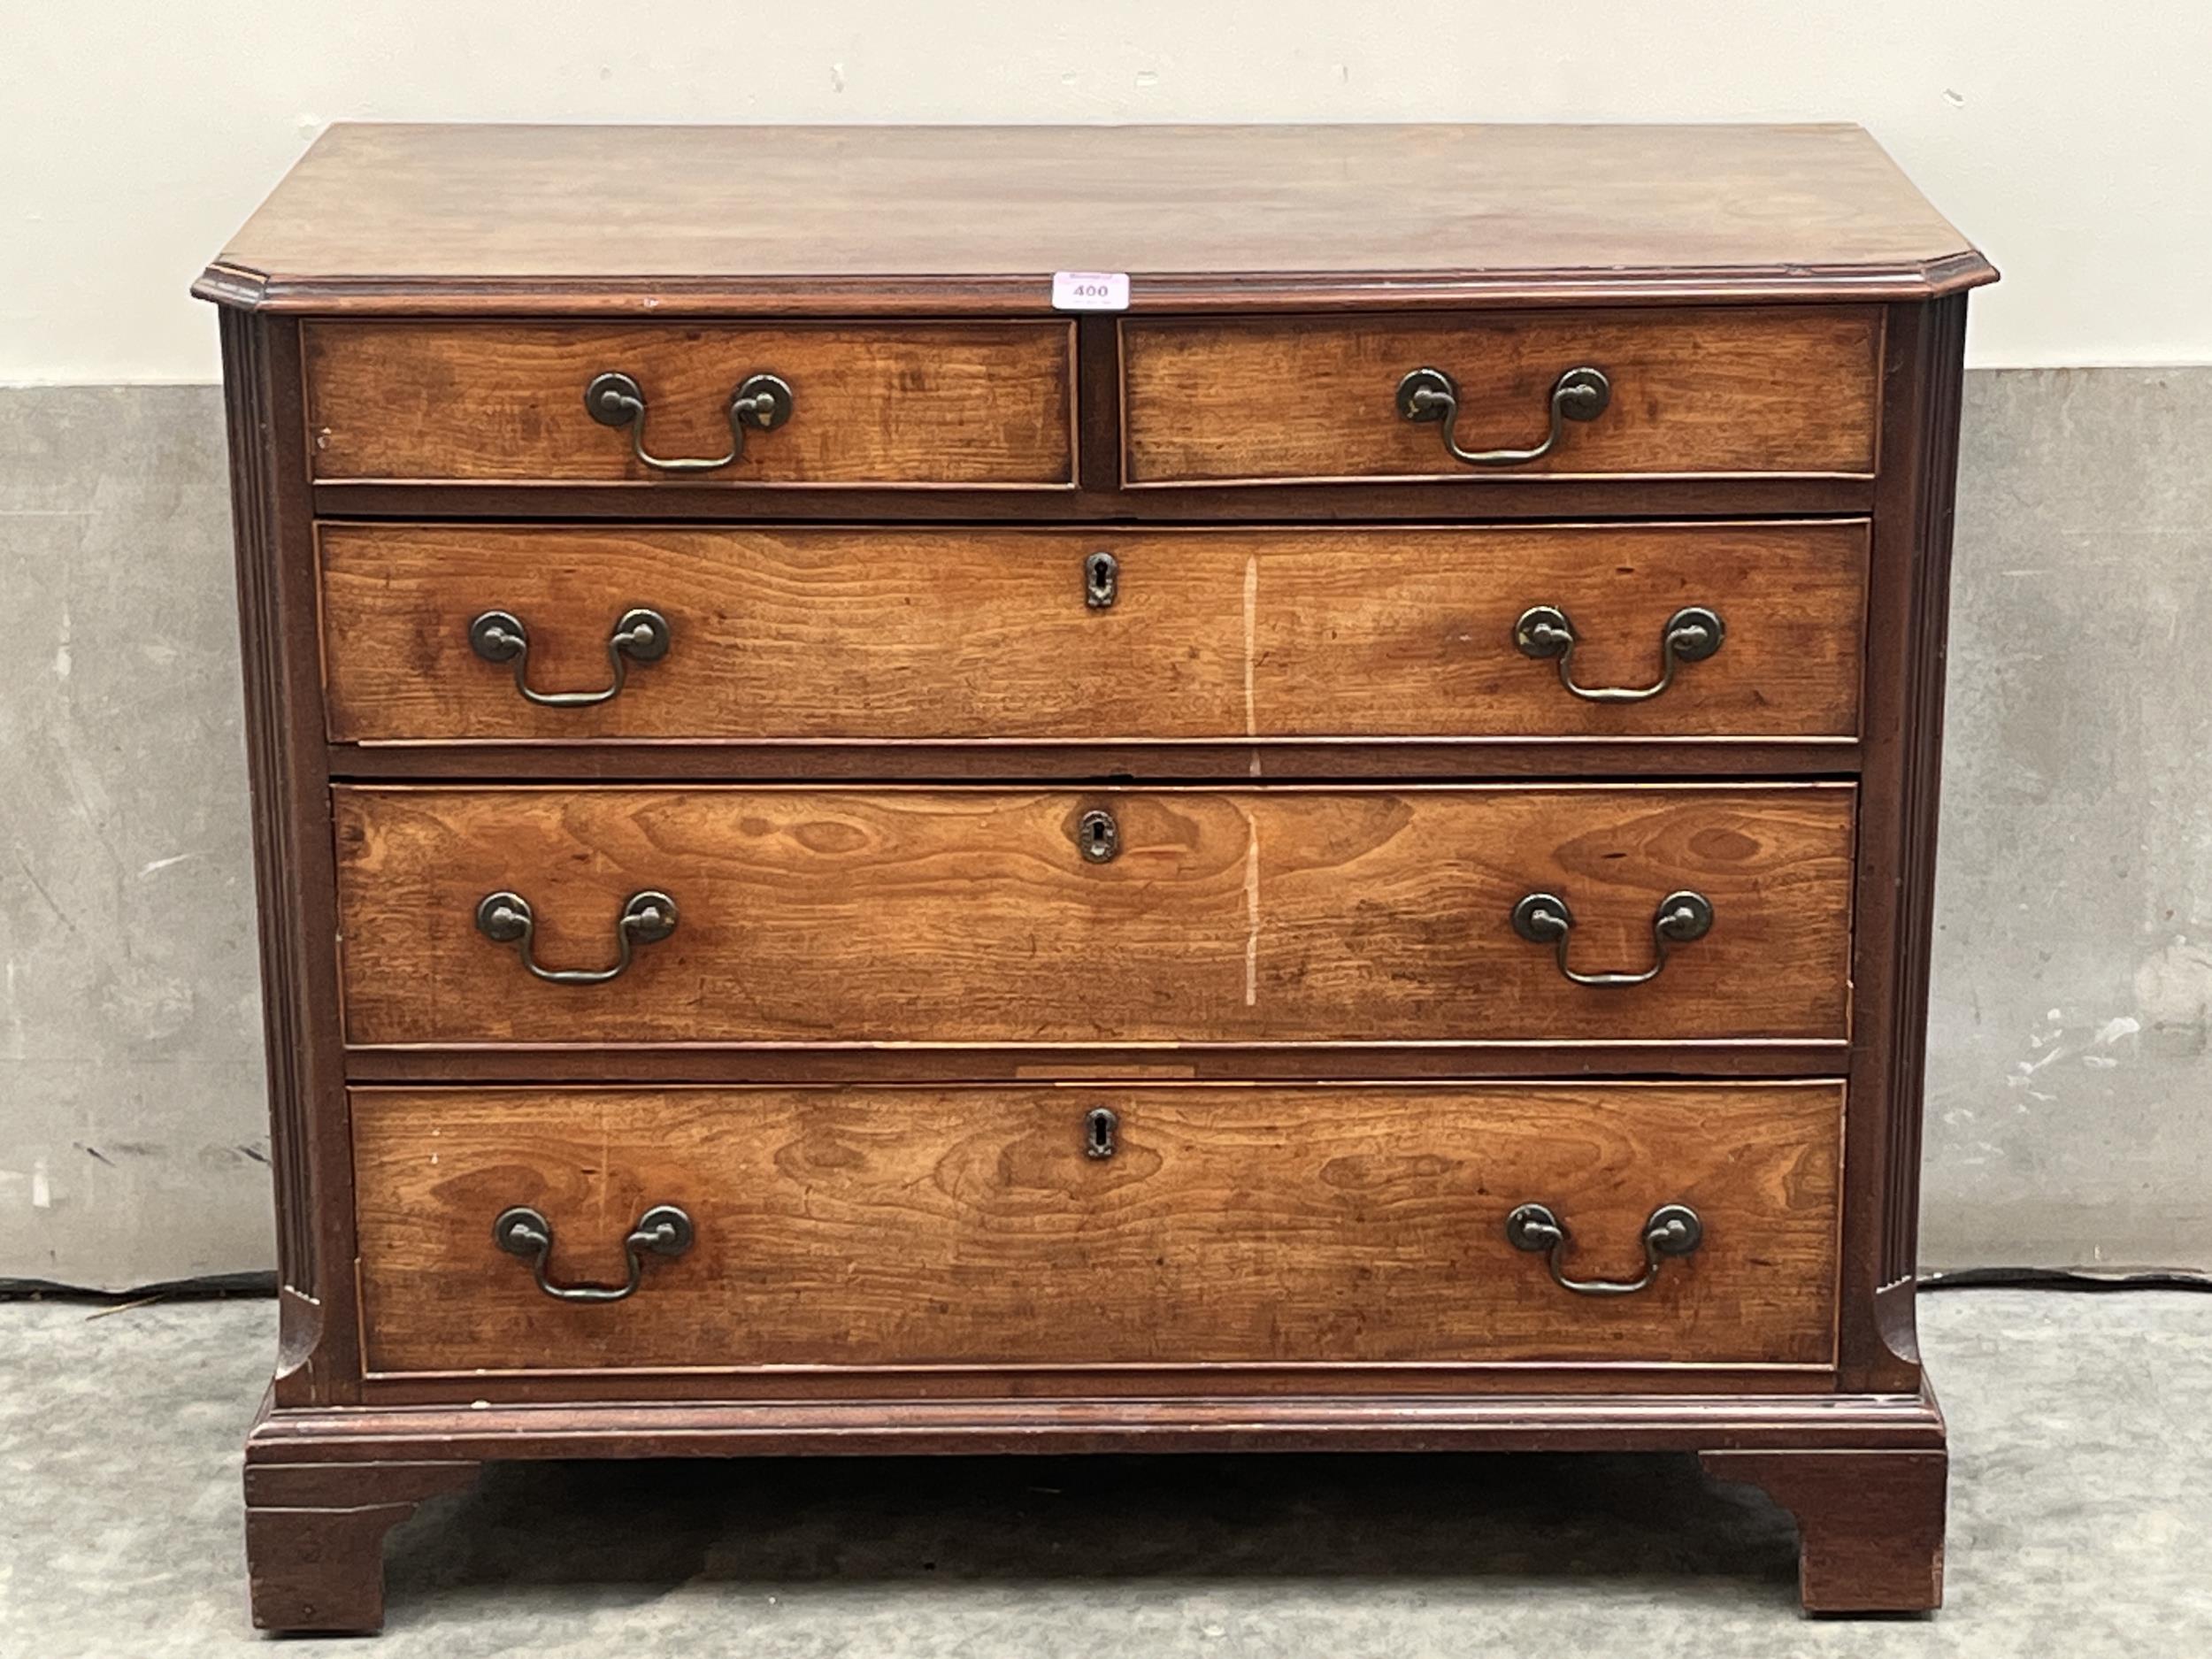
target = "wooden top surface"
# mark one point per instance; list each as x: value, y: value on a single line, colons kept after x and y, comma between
x: 892, y: 220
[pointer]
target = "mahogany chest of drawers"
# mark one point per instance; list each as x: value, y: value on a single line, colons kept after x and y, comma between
x: 1337, y: 857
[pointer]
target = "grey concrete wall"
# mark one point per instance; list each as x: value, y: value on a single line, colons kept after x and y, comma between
x: 2068, y: 1066
x: 2069, y: 1077
x: 133, y: 1135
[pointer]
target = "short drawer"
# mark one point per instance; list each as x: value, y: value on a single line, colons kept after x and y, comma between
x: 479, y: 632
x: 879, y: 914
x: 913, y: 1227
x: 1729, y: 392
x: 976, y: 404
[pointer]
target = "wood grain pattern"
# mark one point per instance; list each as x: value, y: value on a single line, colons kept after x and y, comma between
x: 862, y: 1227
x: 886, y: 633
x: 1716, y: 391
x: 923, y: 914
x: 972, y: 404
x: 504, y: 219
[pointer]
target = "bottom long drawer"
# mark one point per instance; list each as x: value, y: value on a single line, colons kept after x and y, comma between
x: 1064, y: 1225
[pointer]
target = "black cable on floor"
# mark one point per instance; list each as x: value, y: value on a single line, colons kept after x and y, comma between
x: 213, y: 1287
x: 2065, y: 1279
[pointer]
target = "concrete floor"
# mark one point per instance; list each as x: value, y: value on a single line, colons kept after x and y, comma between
x: 2081, y: 1505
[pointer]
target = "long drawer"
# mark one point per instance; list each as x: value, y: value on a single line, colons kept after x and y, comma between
x: 900, y: 1227
x: 925, y: 404
x: 466, y: 633
x: 1004, y: 916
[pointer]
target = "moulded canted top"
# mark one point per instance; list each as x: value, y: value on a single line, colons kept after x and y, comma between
x: 677, y: 221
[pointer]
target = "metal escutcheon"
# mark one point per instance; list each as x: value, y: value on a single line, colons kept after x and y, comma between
x: 1543, y: 919
x: 1429, y: 395
x: 1098, y: 1126
x: 1671, y: 1230
x: 640, y: 636
x: 1098, y: 835
x: 662, y: 1229
x: 1101, y: 580
x: 506, y: 918
x: 1691, y: 635
x: 763, y: 402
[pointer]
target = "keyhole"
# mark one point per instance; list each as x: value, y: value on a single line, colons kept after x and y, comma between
x: 1098, y: 835
x: 1098, y: 1132
x: 1102, y: 574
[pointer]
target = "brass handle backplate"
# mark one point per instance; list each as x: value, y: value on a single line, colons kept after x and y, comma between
x: 1428, y: 394
x: 763, y: 402
x: 1691, y: 634
x: 1671, y: 1230
x: 662, y: 1229
x: 505, y: 918
x: 638, y: 636
x: 1543, y: 919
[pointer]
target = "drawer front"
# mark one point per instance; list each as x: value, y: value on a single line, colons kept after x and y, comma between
x: 889, y: 1228
x: 812, y: 915
x: 989, y: 634
x: 1744, y: 390
x: 977, y: 404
